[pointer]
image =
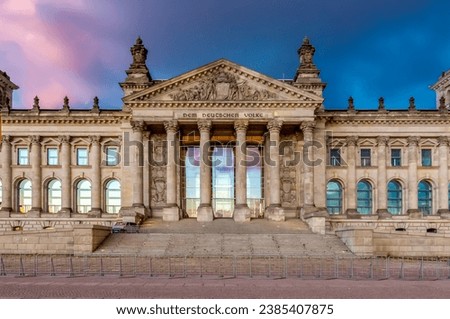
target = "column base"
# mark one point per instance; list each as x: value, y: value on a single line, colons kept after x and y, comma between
x: 383, y: 214
x: 95, y: 212
x: 414, y: 213
x: 205, y: 213
x: 241, y: 213
x: 275, y: 213
x: 444, y: 213
x: 134, y: 214
x: 171, y: 214
x: 352, y: 213
x: 5, y: 212
x: 34, y: 212
x: 65, y: 212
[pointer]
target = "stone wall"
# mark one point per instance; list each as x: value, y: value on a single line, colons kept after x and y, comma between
x: 37, y: 224
x: 367, y: 242
x: 80, y: 240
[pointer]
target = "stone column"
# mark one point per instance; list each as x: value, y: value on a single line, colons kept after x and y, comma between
x: 6, y: 174
x: 412, y: 174
x: 308, y: 167
x: 274, y: 212
x: 381, y: 177
x: 36, y: 176
x: 147, y: 180
x: 351, y: 174
x: 171, y: 212
x: 443, y: 175
x: 241, y: 210
x: 96, y: 178
x: 66, y: 179
x: 137, y: 165
x: 204, y: 211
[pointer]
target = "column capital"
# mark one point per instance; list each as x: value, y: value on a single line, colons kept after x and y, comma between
x: 171, y: 126
x: 351, y: 140
x: 137, y: 126
x: 443, y: 140
x: 146, y: 135
x: 34, y: 139
x: 413, y: 140
x: 6, y: 139
x: 382, y: 140
x: 94, y: 139
x: 275, y: 125
x: 204, y: 125
x: 308, y: 126
x: 241, y: 125
x: 64, y: 139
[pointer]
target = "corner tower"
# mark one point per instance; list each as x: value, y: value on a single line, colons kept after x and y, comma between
x: 442, y: 89
x: 6, y: 89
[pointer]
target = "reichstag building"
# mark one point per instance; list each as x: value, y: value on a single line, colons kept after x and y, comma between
x: 221, y: 141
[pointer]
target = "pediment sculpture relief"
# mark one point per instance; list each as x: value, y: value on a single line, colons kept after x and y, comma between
x: 222, y: 86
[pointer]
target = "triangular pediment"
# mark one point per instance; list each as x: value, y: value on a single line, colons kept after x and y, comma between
x: 222, y: 80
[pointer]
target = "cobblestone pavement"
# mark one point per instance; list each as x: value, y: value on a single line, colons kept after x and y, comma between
x: 203, y: 288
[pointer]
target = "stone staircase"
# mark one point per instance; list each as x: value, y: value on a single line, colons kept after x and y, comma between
x: 223, y: 238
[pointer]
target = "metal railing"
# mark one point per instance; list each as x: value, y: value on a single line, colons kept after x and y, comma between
x: 375, y: 268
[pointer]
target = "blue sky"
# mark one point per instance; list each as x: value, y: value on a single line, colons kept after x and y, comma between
x: 366, y: 49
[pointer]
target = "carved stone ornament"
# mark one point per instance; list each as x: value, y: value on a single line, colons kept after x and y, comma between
x: 382, y: 140
x: 6, y: 139
x: 171, y: 126
x: 35, y: 139
x: 158, y: 171
x: 137, y: 126
x: 139, y: 53
x: 241, y: 125
x: 306, y: 54
x: 351, y: 140
x: 443, y: 140
x: 204, y: 125
x: 64, y: 139
x: 413, y: 140
x: 274, y: 125
x: 222, y: 86
x: 307, y: 126
x: 94, y: 139
x: 66, y: 105
x: 36, y: 103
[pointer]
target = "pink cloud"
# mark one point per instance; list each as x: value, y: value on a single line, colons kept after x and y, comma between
x: 43, y: 56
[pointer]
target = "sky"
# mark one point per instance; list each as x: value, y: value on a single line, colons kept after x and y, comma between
x: 364, y: 49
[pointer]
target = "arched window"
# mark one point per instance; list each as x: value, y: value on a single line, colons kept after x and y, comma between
x: 448, y: 195
x: 334, y: 197
x: 425, y: 197
x: 394, y: 198
x: 112, y: 197
x: 83, y: 196
x: 24, y: 192
x: 364, y: 198
x: 54, y: 196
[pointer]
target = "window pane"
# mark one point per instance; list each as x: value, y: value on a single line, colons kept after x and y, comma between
x: 335, y: 157
x: 112, y: 156
x: 425, y: 197
x: 113, y: 197
x: 52, y: 156
x: 82, y: 156
x: 396, y: 157
x: 83, y: 196
x: 54, y: 196
x: 394, y: 195
x: 334, y: 197
x: 365, y: 157
x: 426, y: 157
x: 22, y: 156
x: 364, y: 198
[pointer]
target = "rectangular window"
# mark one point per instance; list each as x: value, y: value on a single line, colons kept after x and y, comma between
x: 22, y: 156
x: 52, y: 156
x: 396, y: 157
x: 426, y: 157
x: 365, y: 157
x: 112, y: 156
x: 335, y: 157
x: 82, y: 156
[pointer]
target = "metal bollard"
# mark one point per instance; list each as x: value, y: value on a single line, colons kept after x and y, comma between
x: 184, y: 267
x: 421, y: 269
x: 251, y: 264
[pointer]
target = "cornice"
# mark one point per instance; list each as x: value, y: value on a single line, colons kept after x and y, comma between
x: 223, y: 104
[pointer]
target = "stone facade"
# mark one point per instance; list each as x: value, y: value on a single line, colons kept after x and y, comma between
x: 326, y: 167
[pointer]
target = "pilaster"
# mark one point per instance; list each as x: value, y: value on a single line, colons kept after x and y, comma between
x: 95, y: 154
x: 443, y: 174
x: 6, y: 174
x: 66, y: 184
x: 36, y: 177
x: 351, y: 142
x: 308, y: 167
x: 382, y: 178
x: 412, y: 174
